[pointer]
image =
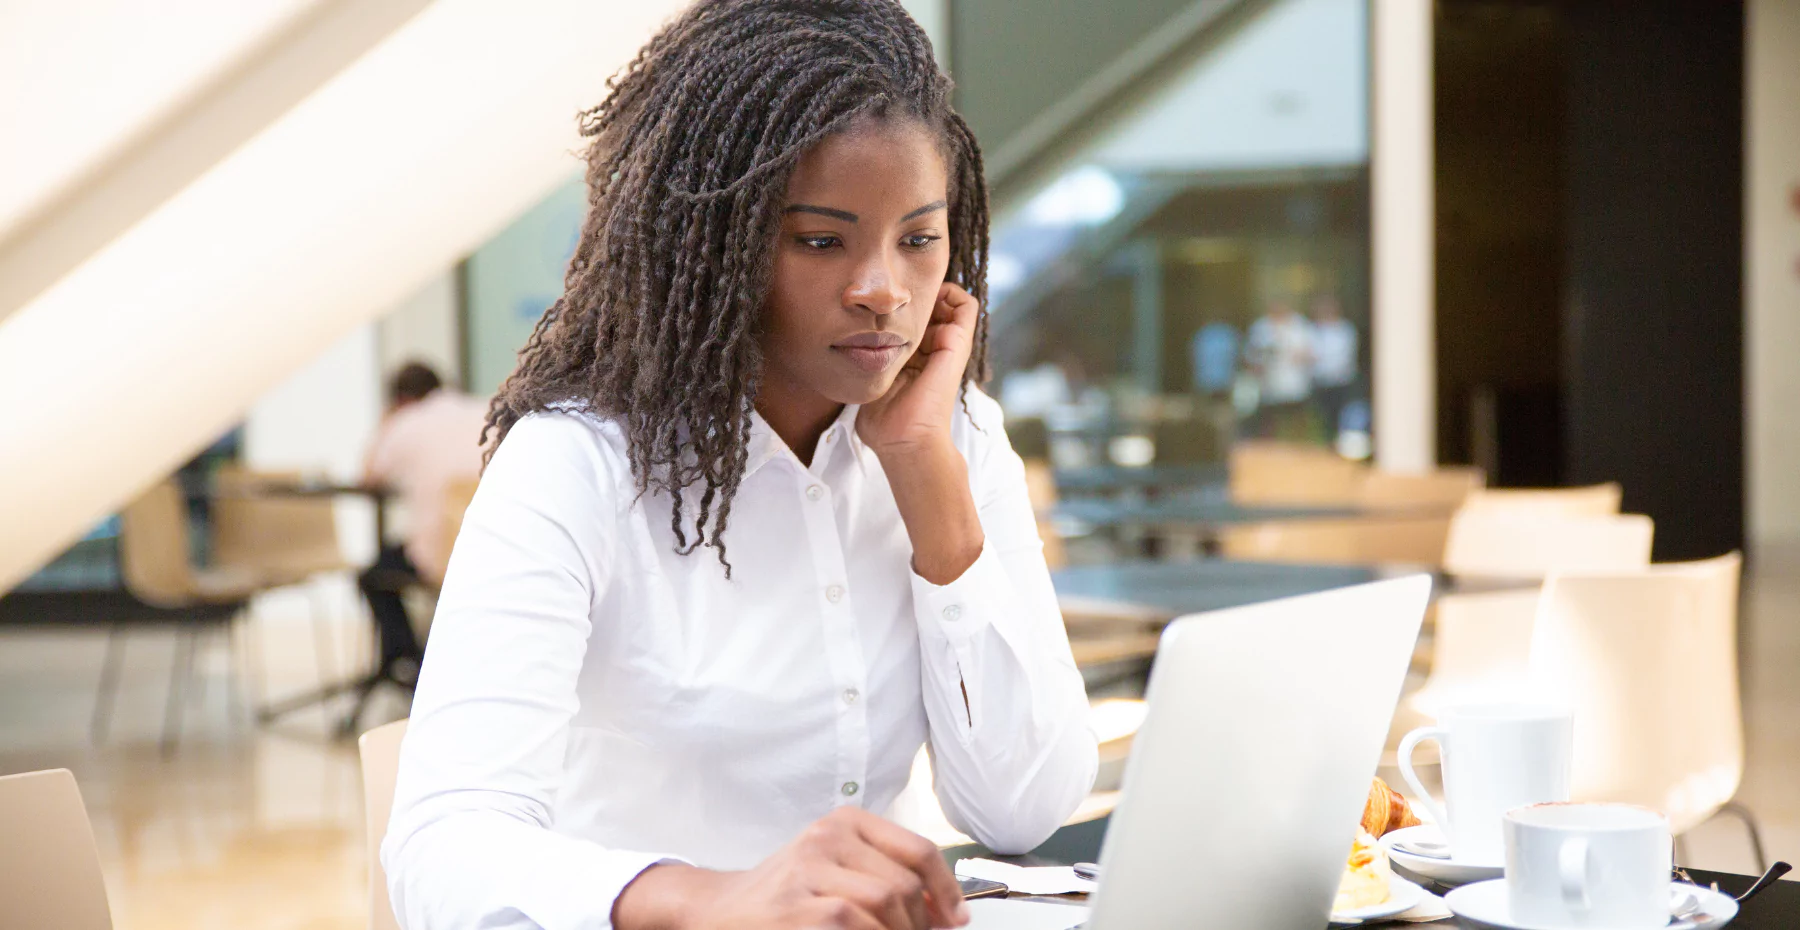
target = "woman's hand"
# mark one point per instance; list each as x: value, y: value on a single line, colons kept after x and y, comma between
x: 916, y: 410
x: 909, y: 429
x: 850, y: 870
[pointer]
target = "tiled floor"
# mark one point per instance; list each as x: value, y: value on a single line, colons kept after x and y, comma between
x: 247, y: 829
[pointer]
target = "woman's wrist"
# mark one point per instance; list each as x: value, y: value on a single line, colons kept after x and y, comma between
x: 663, y: 896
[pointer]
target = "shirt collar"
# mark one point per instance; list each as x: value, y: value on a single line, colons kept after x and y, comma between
x: 766, y: 446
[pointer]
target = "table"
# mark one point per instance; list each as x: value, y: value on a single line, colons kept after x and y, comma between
x: 1113, y: 479
x: 1776, y: 907
x: 1177, y: 588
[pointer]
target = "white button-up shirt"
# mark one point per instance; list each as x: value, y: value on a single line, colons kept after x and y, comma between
x: 593, y: 703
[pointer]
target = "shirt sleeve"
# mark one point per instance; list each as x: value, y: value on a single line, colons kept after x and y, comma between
x: 470, y: 842
x: 1011, y: 752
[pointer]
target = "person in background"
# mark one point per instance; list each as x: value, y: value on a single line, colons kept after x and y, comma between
x: 429, y: 438
x: 1279, y: 350
x: 1333, y: 361
x: 1215, y: 354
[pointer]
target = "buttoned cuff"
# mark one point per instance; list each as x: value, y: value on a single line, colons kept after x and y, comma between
x: 958, y: 610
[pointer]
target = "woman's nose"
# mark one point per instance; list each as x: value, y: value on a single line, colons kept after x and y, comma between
x: 877, y: 288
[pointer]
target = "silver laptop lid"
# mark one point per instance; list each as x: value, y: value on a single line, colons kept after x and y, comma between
x: 1247, y: 780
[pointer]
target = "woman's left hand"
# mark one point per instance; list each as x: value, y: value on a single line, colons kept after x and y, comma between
x: 915, y: 412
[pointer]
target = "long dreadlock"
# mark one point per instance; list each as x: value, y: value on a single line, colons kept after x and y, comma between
x: 662, y: 305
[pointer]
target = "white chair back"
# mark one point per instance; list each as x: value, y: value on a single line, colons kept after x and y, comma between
x: 49, y: 866
x: 1480, y: 650
x: 1648, y: 662
x: 1597, y: 500
x: 380, y: 751
x: 1501, y: 545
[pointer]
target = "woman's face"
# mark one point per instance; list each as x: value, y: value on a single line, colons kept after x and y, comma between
x: 863, y: 249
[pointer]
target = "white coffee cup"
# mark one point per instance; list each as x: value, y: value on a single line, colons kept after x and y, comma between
x: 1588, y: 865
x: 1495, y: 757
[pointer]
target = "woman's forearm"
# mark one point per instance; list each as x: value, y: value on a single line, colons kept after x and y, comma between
x: 931, y: 488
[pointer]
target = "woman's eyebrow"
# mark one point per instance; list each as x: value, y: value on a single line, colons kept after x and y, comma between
x: 844, y: 215
x: 934, y: 205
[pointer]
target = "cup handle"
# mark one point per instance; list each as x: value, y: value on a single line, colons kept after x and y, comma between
x: 1407, y: 744
x: 1572, y: 862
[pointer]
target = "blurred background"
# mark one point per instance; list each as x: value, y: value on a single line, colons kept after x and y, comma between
x: 1285, y: 294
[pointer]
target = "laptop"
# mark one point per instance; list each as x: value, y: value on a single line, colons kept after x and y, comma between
x: 1247, y: 780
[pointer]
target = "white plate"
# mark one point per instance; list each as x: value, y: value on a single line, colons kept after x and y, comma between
x: 1402, y: 896
x: 1443, y: 871
x: 1483, y: 906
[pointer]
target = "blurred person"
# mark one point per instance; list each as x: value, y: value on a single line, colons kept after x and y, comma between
x: 1334, y: 362
x: 751, y: 535
x: 1215, y: 356
x: 429, y: 437
x: 1279, y: 351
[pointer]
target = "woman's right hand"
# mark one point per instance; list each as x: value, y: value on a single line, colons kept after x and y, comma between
x: 850, y: 870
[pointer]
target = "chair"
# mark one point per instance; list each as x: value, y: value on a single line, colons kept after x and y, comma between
x: 1480, y: 650
x: 458, y: 494
x: 380, y: 752
x: 157, y: 568
x: 1361, y: 540
x: 281, y: 541
x: 1488, y: 544
x: 49, y: 865
x: 1443, y: 488
x: 1600, y: 500
x: 1648, y: 662
x: 1268, y: 472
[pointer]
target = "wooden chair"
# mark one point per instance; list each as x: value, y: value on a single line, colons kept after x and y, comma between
x: 1484, y: 543
x: 281, y: 541
x: 1362, y: 540
x: 1441, y: 489
x: 1600, y: 500
x: 49, y: 865
x: 380, y: 753
x: 155, y: 561
x: 1648, y: 662
x: 1278, y: 473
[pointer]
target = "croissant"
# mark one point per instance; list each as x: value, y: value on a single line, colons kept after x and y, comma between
x: 1386, y: 811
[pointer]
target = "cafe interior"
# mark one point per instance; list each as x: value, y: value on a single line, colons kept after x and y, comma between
x: 1285, y: 296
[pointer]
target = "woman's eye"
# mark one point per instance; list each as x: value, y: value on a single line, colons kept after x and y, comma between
x: 818, y: 243
x: 920, y: 241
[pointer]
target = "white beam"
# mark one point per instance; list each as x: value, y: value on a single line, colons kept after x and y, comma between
x: 407, y: 160
x: 1403, y: 247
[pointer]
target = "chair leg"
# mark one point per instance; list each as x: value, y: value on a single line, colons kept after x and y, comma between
x: 107, y: 693
x: 1748, y: 819
x: 234, y: 673
x: 180, y: 674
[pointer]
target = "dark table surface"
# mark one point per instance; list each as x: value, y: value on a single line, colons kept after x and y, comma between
x: 1109, y: 479
x: 1180, y: 588
x: 1201, y: 512
x: 1775, y: 907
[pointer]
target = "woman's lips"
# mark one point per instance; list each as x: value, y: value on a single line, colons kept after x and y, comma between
x: 872, y: 359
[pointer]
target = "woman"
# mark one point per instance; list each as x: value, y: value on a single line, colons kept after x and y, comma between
x: 750, y: 535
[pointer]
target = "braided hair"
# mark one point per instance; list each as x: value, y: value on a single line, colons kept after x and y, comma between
x: 658, y: 324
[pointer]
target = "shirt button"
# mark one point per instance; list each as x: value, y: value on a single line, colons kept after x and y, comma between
x: 834, y: 593
x: 850, y: 695
x: 814, y: 493
x: 953, y: 613
x: 850, y: 788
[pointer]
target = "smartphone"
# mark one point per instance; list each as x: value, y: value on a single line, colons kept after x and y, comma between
x: 973, y: 888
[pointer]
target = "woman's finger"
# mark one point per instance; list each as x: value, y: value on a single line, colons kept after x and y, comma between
x: 900, y: 880
x: 921, y: 856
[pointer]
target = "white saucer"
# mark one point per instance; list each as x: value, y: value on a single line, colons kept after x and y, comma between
x: 1444, y: 871
x: 1483, y: 906
x: 1402, y: 896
